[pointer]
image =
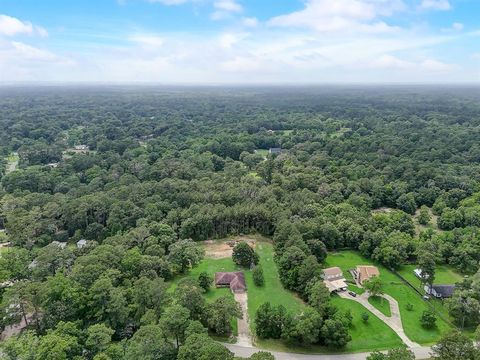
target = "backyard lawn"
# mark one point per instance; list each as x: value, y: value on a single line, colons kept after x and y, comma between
x: 381, y: 304
x: 401, y: 292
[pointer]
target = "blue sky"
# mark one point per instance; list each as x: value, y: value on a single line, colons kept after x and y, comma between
x: 240, y: 41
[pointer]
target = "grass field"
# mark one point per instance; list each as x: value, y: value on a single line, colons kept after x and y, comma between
x: 262, y: 152
x: 381, y: 304
x: 401, y: 292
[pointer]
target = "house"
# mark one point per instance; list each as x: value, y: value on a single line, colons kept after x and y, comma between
x: 334, y: 280
x: 440, y: 291
x: 81, y: 243
x: 275, y: 150
x: 81, y: 147
x: 365, y: 272
x: 234, y: 280
x: 53, y: 165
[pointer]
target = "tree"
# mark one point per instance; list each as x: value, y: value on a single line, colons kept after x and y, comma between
x: 205, y: 281
x: 220, y: 314
x: 185, y: 254
x: 202, y: 347
x: 455, y: 346
x: 424, y: 216
x: 189, y: 294
x: 406, y: 202
x: 98, y: 338
x: 304, y: 328
x: 464, y: 308
x: 257, y: 274
x: 374, y: 286
x: 269, y: 321
x: 319, y: 297
x: 393, y: 354
x: 150, y: 343
x: 365, y: 317
x: 334, y: 333
x: 426, y: 264
x: 175, y: 321
x: 244, y: 255
x: 262, y: 355
x: 289, y: 265
x: 428, y: 319
x: 318, y: 249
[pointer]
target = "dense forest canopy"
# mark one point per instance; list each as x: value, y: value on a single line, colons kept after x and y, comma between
x: 140, y: 172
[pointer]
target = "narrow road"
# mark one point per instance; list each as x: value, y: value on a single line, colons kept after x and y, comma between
x: 394, y: 321
x: 420, y: 353
x: 244, y: 337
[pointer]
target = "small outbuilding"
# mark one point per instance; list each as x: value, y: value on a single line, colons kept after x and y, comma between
x: 234, y: 280
x: 81, y: 243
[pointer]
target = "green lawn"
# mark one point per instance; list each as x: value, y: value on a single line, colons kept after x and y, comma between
x: 356, y: 289
x: 373, y: 334
x: 262, y: 152
x: 401, y: 292
x: 382, y: 305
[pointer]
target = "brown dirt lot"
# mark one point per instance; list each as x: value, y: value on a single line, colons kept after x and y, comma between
x: 223, y: 249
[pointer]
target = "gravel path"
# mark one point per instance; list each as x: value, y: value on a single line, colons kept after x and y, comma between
x: 244, y: 337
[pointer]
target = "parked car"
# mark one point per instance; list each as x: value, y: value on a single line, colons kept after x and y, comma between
x: 354, y: 294
x: 426, y: 297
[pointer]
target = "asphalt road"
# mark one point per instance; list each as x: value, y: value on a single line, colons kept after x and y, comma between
x: 420, y: 353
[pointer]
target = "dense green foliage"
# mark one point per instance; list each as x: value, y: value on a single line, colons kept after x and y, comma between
x: 164, y: 166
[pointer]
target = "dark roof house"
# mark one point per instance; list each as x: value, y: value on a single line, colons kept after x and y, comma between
x: 234, y: 280
x: 275, y: 150
x: 440, y: 291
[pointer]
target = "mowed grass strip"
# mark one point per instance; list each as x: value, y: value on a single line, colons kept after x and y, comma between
x: 381, y: 304
x: 399, y: 291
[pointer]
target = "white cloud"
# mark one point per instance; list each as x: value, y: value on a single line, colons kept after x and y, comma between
x: 228, y: 5
x: 227, y: 40
x: 342, y: 15
x: 476, y: 56
x: 169, y: 2
x: 250, y: 22
x: 147, y: 40
x: 225, y: 8
x: 10, y: 26
x: 435, y: 5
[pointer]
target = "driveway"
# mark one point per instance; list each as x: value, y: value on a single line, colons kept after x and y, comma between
x: 394, y: 321
x: 244, y: 338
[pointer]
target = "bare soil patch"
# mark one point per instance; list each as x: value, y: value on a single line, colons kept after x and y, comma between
x: 223, y: 249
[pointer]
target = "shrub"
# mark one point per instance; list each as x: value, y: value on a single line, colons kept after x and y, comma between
x: 204, y: 281
x: 258, y: 278
x: 428, y: 319
x: 365, y: 317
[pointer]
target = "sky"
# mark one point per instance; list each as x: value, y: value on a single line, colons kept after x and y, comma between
x: 240, y: 41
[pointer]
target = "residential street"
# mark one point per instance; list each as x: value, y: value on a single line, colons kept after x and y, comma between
x: 420, y: 353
